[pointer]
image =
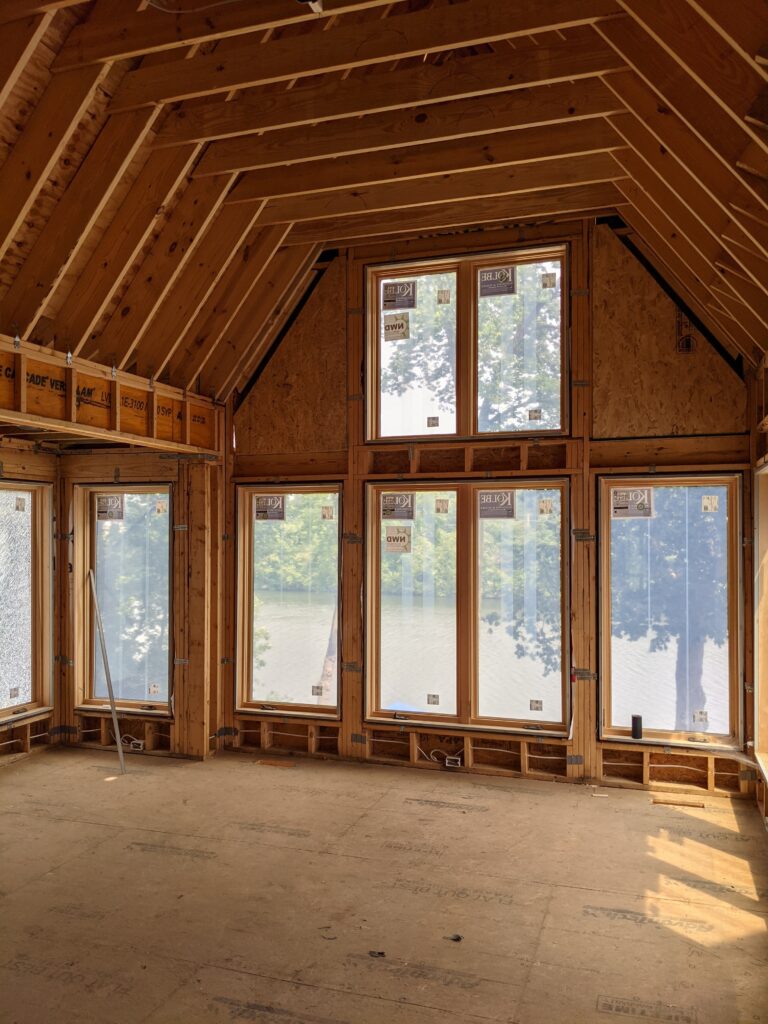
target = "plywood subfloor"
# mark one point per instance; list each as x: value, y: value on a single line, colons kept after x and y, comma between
x: 239, y: 891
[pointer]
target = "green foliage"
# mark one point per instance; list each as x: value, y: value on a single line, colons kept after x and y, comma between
x: 299, y: 553
x: 132, y: 581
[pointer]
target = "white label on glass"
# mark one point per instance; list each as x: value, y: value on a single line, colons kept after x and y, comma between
x: 154, y: 689
x: 397, y: 326
x: 701, y: 717
x: 21, y: 504
x: 433, y: 421
x: 549, y: 280
x: 397, y: 506
x: 497, y: 281
x: 497, y: 504
x: 441, y: 506
x: 433, y: 698
x: 109, y: 506
x: 13, y: 693
x: 631, y: 503
x: 398, y: 538
x: 546, y: 506
x: 161, y: 507
x: 534, y: 414
x: 443, y: 296
x: 537, y: 705
x: 326, y: 511
x: 399, y: 295
x: 269, y: 506
x: 710, y: 502
x: 317, y: 690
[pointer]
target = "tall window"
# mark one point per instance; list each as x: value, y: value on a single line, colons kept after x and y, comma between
x: 670, y: 607
x: 289, y: 598
x: 130, y: 554
x: 25, y: 590
x: 467, y: 346
x: 466, y: 603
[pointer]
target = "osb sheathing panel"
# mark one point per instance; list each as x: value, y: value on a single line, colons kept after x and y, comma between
x: 299, y: 403
x: 642, y: 386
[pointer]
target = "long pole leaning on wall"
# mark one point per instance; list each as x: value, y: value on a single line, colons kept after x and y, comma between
x: 107, y: 673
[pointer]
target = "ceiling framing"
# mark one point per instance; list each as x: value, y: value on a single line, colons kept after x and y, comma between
x: 170, y: 180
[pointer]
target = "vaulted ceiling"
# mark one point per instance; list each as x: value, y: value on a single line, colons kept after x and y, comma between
x: 171, y: 170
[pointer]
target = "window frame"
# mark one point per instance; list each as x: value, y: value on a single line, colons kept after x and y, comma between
x: 244, y: 494
x: 760, y: 569
x: 466, y: 266
x: 42, y: 600
x: 607, y: 731
x: 85, y: 624
x: 467, y: 593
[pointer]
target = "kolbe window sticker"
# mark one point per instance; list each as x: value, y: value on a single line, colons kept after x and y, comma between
x: 399, y: 295
x: 109, y: 507
x: 269, y: 506
x: 397, y: 506
x: 497, y: 281
x: 496, y: 504
x: 631, y: 503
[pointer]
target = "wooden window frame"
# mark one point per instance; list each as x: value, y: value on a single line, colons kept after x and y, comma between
x: 761, y: 617
x: 732, y: 482
x: 467, y: 579
x: 466, y: 266
x: 85, y: 626
x: 244, y: 596
x: 42, y: 600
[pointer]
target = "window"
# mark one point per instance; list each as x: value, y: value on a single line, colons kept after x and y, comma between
x: 466, y: 604
x: 289, y: 598
x: 130, y: 554
x: 761, y: 617
x: 670, y: 607
x: 25, y: 596
x: 468, y: 346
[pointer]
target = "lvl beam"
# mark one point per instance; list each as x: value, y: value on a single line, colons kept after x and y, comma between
x: 198, y: 342
x: 13, y: 10
x: 582, y: 55
x: 251, y: 63
x: 74, y: 216
x: 158, y: 271
x: 120, y: 245
x: 40, y: 145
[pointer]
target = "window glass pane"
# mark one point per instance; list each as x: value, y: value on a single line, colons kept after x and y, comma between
x: 669, y: 608
x: 417, y: 630
x: 132, y: 583
x: 520, y: 604
x: 15, y: 597
x: 295, y: 598
x: 519, y: 350
x: 417, y: 354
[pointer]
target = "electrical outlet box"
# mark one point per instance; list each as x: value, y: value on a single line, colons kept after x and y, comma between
x: 137, y: 744
x: 453, y: 761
